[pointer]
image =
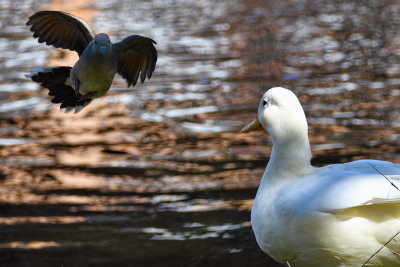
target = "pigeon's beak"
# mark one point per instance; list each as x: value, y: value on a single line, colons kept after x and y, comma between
x: 103, y: 49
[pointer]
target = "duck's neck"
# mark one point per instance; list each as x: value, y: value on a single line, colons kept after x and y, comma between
x: 290, y: 158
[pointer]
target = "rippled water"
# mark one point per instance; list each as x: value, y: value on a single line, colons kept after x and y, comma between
x: 157, y: 175
x: 195, y: 60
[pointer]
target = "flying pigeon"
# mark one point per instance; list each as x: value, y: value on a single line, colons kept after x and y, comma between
x: 99, y: 59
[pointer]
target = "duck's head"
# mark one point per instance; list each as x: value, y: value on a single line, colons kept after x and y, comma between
x: 281, y: 114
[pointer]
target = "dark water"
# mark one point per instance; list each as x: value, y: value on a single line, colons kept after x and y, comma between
x: 158, y: 175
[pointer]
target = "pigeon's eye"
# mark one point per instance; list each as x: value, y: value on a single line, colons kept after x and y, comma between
x: 95, y: 42
x: 265, y: 103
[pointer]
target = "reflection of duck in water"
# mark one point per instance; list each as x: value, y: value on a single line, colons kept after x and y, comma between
x: 99, y: 59
x: 337, y: 215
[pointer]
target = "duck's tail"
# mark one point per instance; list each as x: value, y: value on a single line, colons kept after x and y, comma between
x: 56, y: 79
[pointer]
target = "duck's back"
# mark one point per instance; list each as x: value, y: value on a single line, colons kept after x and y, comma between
x: 338, y: 215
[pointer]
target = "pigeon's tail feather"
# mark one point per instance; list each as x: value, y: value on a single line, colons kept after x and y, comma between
x: 56, y: 79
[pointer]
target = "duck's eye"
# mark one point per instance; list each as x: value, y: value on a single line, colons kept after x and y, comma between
x: 265, y: 103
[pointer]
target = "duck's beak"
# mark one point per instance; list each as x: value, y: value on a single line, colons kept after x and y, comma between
x: 255, y: 125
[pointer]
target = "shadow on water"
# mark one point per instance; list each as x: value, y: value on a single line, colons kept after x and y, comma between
x: 157, y: 175
x: 130, y: 229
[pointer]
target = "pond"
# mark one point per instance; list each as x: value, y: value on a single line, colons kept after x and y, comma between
x: 158, y: 174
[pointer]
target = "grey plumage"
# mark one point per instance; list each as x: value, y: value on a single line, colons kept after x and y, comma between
x: 75, y: 87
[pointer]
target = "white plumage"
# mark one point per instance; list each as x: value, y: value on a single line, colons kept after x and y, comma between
x: 337, y: 215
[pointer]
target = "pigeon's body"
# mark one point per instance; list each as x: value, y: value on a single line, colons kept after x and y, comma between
x: 92, y: 75
x: 98, y: 78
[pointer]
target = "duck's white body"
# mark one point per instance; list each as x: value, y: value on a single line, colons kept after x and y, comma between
x: 337, y: 215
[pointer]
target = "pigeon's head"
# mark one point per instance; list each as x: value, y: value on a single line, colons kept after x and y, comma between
x: 102, y: 43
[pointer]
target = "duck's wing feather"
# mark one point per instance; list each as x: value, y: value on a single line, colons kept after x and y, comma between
x: 61, y: 30
x: 343, y: 187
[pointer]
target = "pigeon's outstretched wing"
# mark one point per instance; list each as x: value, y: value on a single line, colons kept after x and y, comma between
x: 61, y: 30
x: 136, y: 56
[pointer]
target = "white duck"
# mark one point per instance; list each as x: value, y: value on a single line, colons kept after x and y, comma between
x: 338, y: 215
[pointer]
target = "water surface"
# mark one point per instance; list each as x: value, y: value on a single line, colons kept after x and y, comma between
x: 158, y: 175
